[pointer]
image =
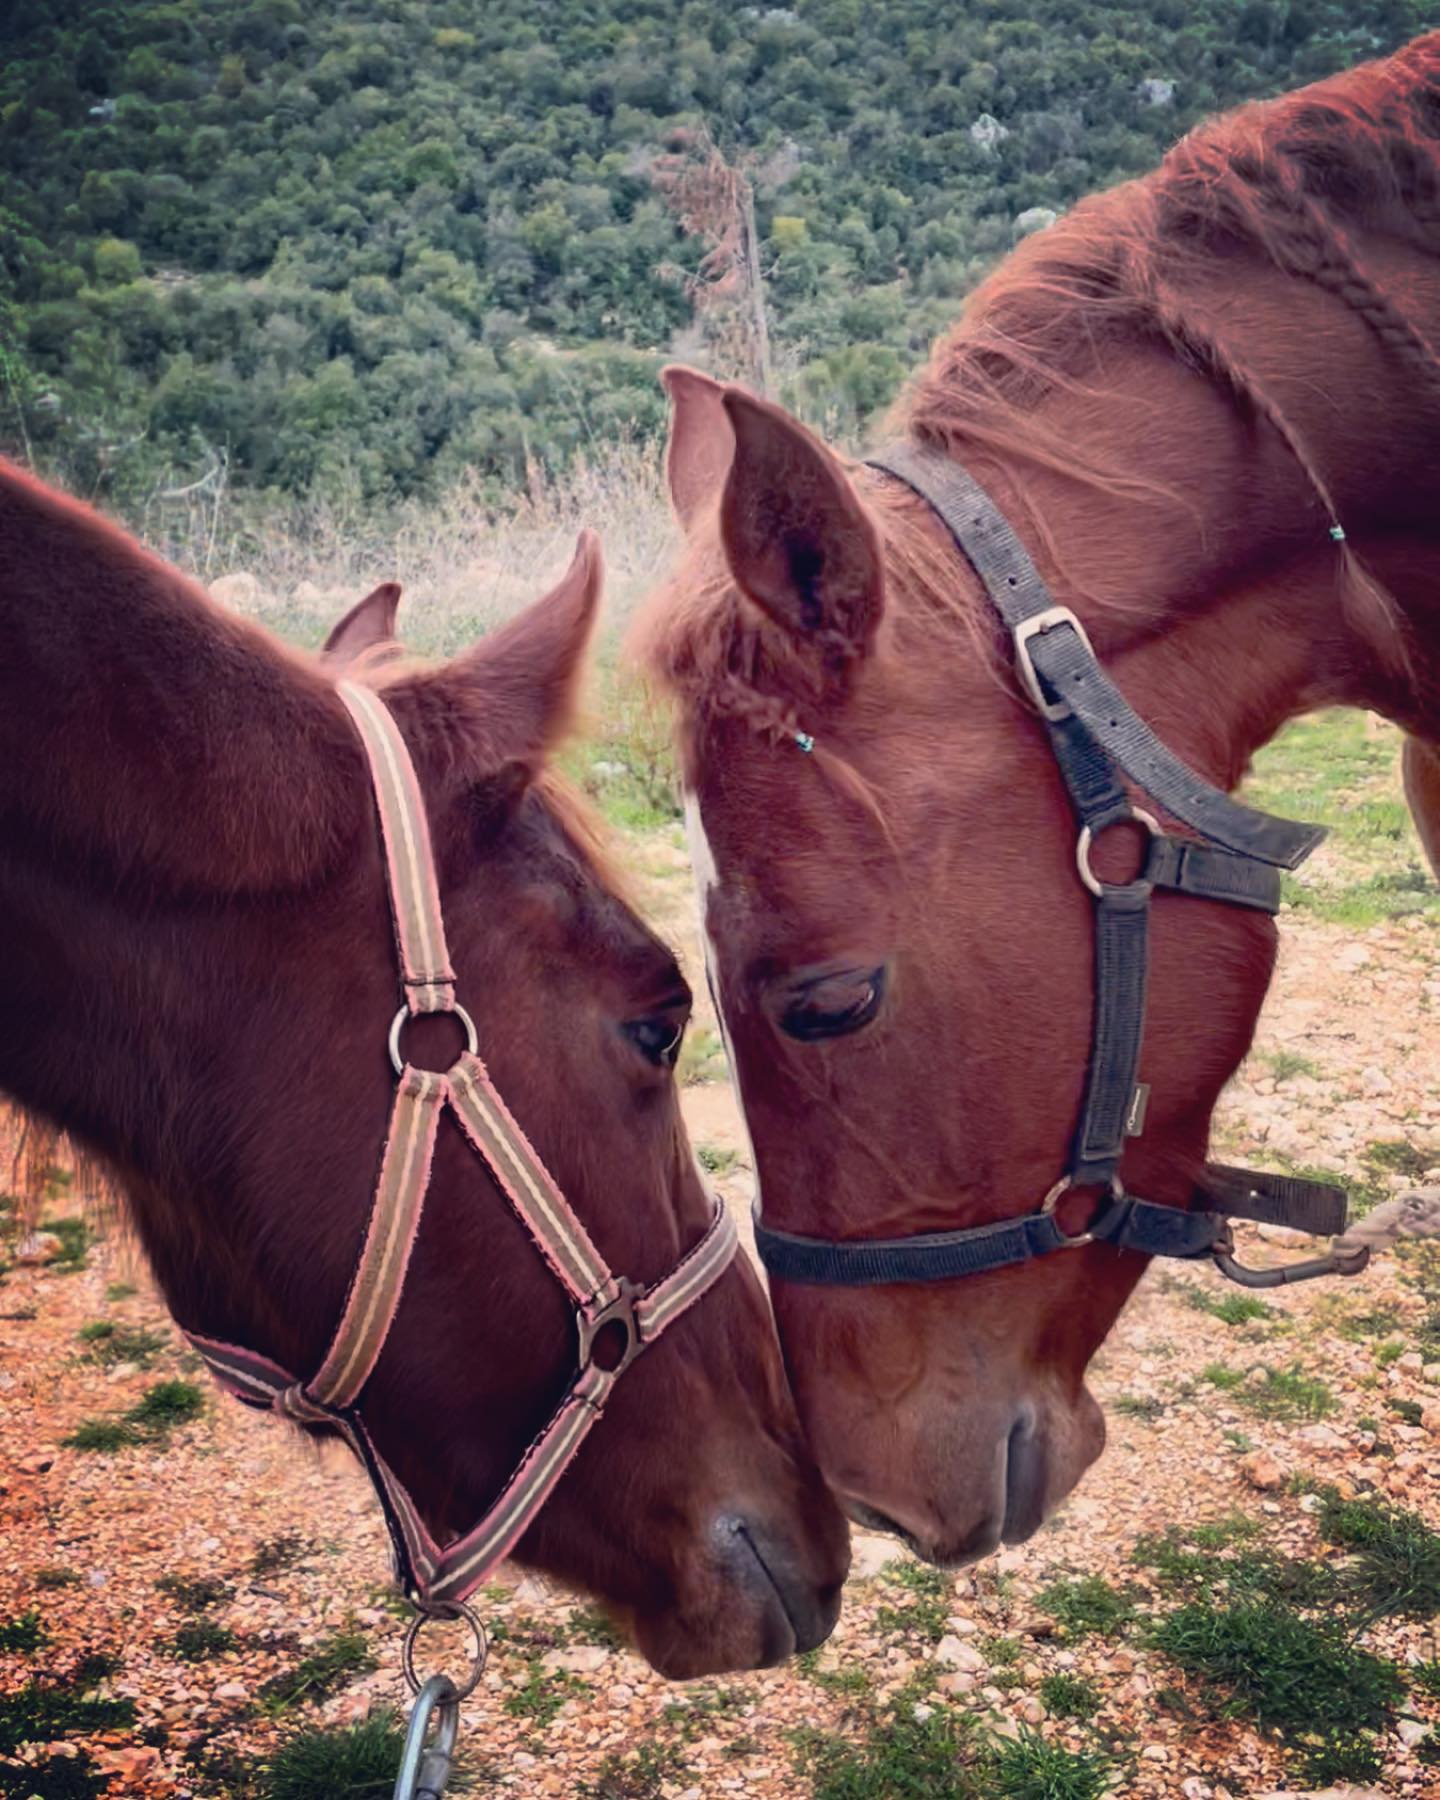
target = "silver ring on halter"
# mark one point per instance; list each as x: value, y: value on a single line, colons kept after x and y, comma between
x: 447, y: 1609
x: 1086, y: 839
x: 457, y: 1011
x: 1058, y: 1192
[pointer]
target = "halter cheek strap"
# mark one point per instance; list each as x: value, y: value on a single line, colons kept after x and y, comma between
x: 431, y: 1572
x: 1102, y: 748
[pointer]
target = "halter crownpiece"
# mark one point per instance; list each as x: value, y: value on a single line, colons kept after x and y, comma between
x: 1098, y: 740
x: 433, y: 1574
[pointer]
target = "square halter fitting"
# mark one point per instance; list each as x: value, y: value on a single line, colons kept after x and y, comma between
x: 1051, y: 619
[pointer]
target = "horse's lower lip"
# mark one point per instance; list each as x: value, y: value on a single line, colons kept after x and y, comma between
x: 1024, y: 1482
x: 795, y: 1617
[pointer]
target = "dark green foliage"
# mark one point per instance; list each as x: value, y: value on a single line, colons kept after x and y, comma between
x: 323, y: 1672
x: 360, y: 251
x: 199, y: 1640
x: 278, y: 1553
x: 24, y: 1633
x: 1396, y: 1566
x: 346, y: 1762
x: 542, y: 1694
x: 1088, y: 1604
x: 643, y: 1776
x: 53, y: 1778
x: 108, y: 1343
x: 902, y: 1758
x: 39, y: 1712
x: 592, y: 1625
x: 1031, y: 1768
x: 1274, y: 1393
x: 161, y: 1408
x: 1426, y: 1677
x: 73, y: 1232
x: 1337, y: 1760
x: 1070, y: 1696
x: 194, y: 1594
x: 57, y: 1578
x: 1265, y: 1662
x: 1230, y: 1309
x: 927, y: 1606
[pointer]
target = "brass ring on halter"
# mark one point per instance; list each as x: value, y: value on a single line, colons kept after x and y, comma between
x: 446, y: 1609
x: 1058, y: 1192
x: 1086, y: 839
x: 457, y: 1012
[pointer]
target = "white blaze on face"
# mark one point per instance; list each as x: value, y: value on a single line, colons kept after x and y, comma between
x: 707, y: 881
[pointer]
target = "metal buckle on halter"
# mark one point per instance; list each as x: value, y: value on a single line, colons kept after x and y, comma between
x: 456, y: 1012
x: 1136, y: 816
x: 620, y: 1311
x: 1342, y: 1262
x: 1098, y: 1225
x: 1037, y: 626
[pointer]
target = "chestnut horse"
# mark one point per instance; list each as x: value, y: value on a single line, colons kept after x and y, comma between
x: 197, y: 973
x: 1207, y: 403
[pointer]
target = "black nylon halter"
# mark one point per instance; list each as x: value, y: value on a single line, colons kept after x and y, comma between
x: 1098, y: 740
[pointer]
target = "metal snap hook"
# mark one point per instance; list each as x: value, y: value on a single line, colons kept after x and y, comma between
x: 425, y: 1768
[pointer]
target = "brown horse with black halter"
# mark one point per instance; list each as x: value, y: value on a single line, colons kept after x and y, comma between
x: 1173, y: 479
x: 198, y: 970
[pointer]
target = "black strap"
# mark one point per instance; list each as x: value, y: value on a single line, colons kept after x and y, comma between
x: 1070, y: 671
x: 1318, y: 1208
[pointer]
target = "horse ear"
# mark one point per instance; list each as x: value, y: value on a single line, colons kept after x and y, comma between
x: 702, y: 443
x: 798, y: 539
x: 369, y: 622
x: 513, y: 696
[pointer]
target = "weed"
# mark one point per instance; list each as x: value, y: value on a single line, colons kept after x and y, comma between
x: 1379, y: 1322
x: 1229, y: 1528
x: 1067, y: 1696
x: 1230, y: 1309
x: 1286, y: 1064
x: 903, y: 1758
x: 925, y: 1613
x: 194, y: 1594
x: 24, y: 1634
x: 717, y: 1159
x: 1397, y: 1156
x: 1238, y: 1442
x: 1426, y: 1677
x: 324, y: 1672
x: 1284, y: 1671
x: 1409, y: 1412
x: 199, y: 1641
x: 1274, y: 1393
x: 592, y: 1625
x: 1335, y: 1759
x: 359, y: 1762
x: 119, y: 1290
x: 643, y: 1776
x: 542, y: 1695
x: 1396, y: 1556
x: 1390, y: 1352
x: 702, y: 1057
x: 75, y: 1238
x: 162, y: 1408
x: 278, y: 1553
x: 110, y: 1344
x: 93, y: 1668
x: 690, y: 1716
x: 839, y: 1680
x: 37, y: 1714
x: 57, y: 1577
x: 1219, y: 1376
x: 1138, y: 1406
x: 1031, y: 1768
x: 1087, y: 1605
x: 104, y: 1435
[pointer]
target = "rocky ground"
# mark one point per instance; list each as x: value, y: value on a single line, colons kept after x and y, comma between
x: 228, y: 1579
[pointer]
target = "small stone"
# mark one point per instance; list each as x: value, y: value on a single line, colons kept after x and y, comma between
x: 1431, y: 1371
x: 1156, y: 1753
x: 1193, y: 1788
x: 583, y: 1659
x: 956, y: 1681
x: 231, y: 1690
x: 1321, y: 1437
x: 961, y: 1626
x: 1032, y: 1711
x: 1412, y: 1359
x: 37, y: 1248
x: 1412, y: 1732
x: 920, y: 1713
x: 869, y: 1554
x: 36, y: 1464
x: 1262, y: 1471
x: 1375, y: 1081
x: 131, y: 1763
x: 956, y: 1654
x: 1430, y: 1419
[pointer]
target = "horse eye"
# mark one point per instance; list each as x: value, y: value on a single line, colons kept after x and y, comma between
x: 833, y: 1005
x: 657, y: 1038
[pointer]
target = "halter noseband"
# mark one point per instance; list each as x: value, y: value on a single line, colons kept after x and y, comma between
x: 432, y: 1573
x: 1098, y: 740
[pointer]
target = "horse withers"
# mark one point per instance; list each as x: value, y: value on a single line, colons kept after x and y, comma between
x: 198, y: 973
x: 1182, y: 451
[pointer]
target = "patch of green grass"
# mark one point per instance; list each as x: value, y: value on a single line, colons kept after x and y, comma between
x: 542, y: 1694
x: 1409, y: 1411
x: 40, y: 1712
x: 900, y: 1758
x: 1229, y: 1528
x: 199, y: 1640
x: 925, y: 1613
x: 702, y: 1057
x: 717, y: 1159
x: 593, y: 1625
x: 1285, y: 1065
x: 160, y: 1410
x: 1230, y: 1309
x: 56, y: 1777
x: 57, y: 1577
x: 694, y: 1714
x: 120, y: 1290
x: 343, y: 1762
x: 1379, y: 1322
x: 75, y: 1238
x: 279, y: 1553
x: 1067, y: 1696
x: 1087, y: 1605
x: 1426, y: 1677
x: 194, y: 1594
x: 1396, y: 1556
x: 1032, y: 1768
x: 1335, y: 1760
x: 1388, y: 1353
x: 323, y: 1672
x: 843, y: 1679
x: 1277, y: 1394
x: 109, y: 1344
x: 1265, y: 1662
x: 23, y: 1634
x: 641, y: 1776
x: 1138, y: 1406
x: 93, y: 1668
x: 1398, y: 1156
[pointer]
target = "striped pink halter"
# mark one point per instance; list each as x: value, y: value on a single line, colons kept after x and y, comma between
x: 431, y: 1573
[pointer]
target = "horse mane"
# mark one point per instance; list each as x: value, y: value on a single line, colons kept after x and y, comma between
x: 1282, y: 180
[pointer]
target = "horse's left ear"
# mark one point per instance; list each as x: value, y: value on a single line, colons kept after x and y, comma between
x: 512, y: 697
x: 799, y: 541
x: 369, y: 622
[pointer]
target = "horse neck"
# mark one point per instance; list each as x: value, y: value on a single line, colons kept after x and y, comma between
x: 1209, y: 537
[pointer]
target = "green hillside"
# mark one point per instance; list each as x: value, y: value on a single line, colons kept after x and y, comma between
x: 359, y: 245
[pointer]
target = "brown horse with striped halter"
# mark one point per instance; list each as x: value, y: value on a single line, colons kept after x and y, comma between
x: 1182, y: 451
x: 197, y: 976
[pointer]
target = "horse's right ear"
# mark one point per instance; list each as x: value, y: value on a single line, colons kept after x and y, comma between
x: 798, y: 538
x: 369, y: 622
x: 701, y: 443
